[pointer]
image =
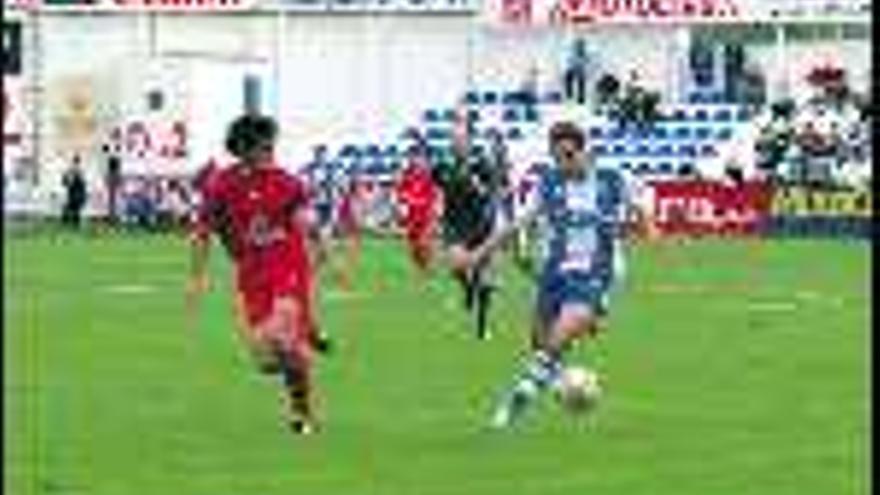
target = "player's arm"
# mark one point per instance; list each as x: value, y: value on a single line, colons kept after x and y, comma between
x: 499, y: 238
x: 200, y: 248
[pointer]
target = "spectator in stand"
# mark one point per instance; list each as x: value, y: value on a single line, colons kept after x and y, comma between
x: 576, y: 72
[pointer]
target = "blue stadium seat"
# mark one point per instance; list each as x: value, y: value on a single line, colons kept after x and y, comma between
x: 436, y: 134
x: 490, y: 98
x: 687, y: 150
x: 554, y: 97
x: 391, y: 150
x: 678, y: 114
x: 532, y: 114
x: 696, y: 97
x: 643, y: 150
x: 665, y: 168
x: 599, y: 150
x: 510, y: 115
x: 717, y: 97
x: 707, y: 150
x: 625, y: 165
x: 723, y: 115
x: 619, y: 150
x: 431, y: 116
x: 683, y: 133
x: 643, y: 168
x: 472, y: 98
x: 348, y: 150
x: 664, y: 150
x: 449, y: 115
x: 615, y: 132
x: 725, y: 133
x: 515, y: 133
x: 742, y: 114
x: 373, y: 150
x: 702, y: 132
x: 660, y: 132
x: 701, y: 115
x: 595, y: 133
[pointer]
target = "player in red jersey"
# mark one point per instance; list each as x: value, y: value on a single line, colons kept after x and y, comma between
x: 417, y: 196
x: 261, y: 213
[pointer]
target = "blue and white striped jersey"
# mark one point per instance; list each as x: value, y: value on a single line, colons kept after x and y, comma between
x: 580, y: 220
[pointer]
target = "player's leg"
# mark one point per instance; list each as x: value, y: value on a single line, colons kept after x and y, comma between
x: 483, y: 287
x: 290, y: 336
x: 565, y: 311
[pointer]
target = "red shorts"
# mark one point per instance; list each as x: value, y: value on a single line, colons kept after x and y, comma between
x: 418, y: 227
x: 258, y: 294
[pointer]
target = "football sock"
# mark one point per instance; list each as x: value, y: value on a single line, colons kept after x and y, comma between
x: 484, y: 298
x: 541, y: 372
x: 467, y: 286
x: 296, y: 383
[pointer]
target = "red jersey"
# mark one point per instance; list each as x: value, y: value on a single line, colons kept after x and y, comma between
x: 253, y: 209
x: 417, y: 191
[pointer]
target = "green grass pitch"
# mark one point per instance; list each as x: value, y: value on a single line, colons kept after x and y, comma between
x: 731, y: 367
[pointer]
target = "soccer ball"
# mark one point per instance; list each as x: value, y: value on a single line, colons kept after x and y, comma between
x: 579, y: 389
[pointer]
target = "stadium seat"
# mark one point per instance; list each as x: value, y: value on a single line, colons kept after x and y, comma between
x: 490, y: 98
x: 660, y: 132
x: 515, y: 133
x: 687, y: 150
x: 702, y: 133
x: 643, y: 150
x: 619, y: 150
x: 531, y: 114
x: 554, y: 97
x: 373, y: 151
x: 708, y: 150
x: 431, y: 116
x: 473, y: 116
x: 696, y: 98
x: 348, y: 150
x: 510, y: 115
x: 742, y: 114
x: 683, y: 133
x: 678, y: 114
x: 472, y: 98
x: 717, y: 97
x: 595, y: 133
x: 643, y: 168
x: 723, y: 115
x: 701, y: 115
x: 625, y: 165
x: 665, y: 168
x: 664, y: 150
x: 448, y: 115
x: 725, y: 133
x: 615, y: 132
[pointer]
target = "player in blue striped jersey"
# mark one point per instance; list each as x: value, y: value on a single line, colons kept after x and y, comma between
x: 582, y: 212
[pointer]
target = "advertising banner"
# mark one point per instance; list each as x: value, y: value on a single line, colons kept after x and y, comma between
x: 696, y: 208
x: 707, y: 208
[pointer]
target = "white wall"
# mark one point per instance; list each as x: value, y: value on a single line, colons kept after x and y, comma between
x: 328, y: 78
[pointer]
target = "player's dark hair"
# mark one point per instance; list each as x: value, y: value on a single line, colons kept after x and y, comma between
x: 248, y: 133
x: 567, y: 131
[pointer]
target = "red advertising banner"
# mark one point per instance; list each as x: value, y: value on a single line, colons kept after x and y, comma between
x: 710, y: 208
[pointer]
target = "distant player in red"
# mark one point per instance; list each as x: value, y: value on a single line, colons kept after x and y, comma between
x: 417, y: 196
x: 349, y: 227
x: 260, y: 212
